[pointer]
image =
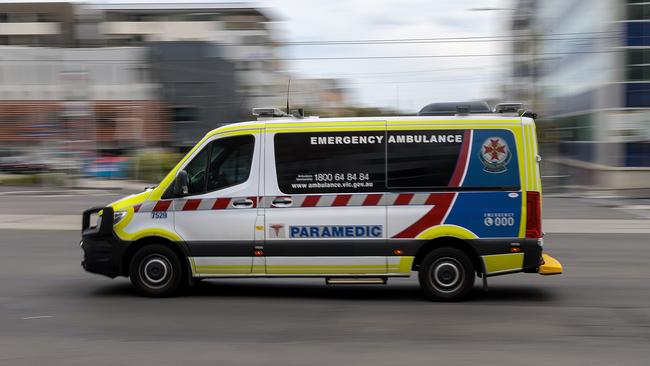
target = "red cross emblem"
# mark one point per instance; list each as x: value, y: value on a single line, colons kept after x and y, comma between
x: 495, y: 149
x: 495, y: 155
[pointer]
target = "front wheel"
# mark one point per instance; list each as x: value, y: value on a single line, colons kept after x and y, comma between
x: 446, y: 274
x: 156, y: 271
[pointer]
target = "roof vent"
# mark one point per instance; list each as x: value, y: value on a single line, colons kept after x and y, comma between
x: 509, y: 108
x: 452, y: 108
x: 268, y: 112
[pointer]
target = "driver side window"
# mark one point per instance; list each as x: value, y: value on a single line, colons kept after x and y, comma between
x: 196, y: 172
x: 223, y: 163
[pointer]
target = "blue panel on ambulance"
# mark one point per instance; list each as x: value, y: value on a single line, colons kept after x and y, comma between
x: 487, y: 214
x: 493, y: 160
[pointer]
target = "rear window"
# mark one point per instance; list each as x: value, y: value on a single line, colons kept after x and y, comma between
x: 422, y: 159
x: 452, y: 160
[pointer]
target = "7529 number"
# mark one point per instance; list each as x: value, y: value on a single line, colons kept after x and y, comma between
x: 159, y: 215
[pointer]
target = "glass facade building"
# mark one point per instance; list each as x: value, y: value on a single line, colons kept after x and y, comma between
x: 592, y: 86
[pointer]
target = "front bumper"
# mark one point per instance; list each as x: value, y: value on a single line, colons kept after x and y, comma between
x: 102, y: 251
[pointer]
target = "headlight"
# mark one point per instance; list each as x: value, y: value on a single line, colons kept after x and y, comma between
x: 118, y: 216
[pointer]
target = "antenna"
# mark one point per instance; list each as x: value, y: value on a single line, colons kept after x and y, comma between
x: 288, y: 91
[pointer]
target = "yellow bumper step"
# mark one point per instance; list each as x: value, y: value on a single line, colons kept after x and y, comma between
x: 550, y: 266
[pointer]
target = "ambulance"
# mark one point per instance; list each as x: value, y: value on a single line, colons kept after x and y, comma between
x: 446, y: 196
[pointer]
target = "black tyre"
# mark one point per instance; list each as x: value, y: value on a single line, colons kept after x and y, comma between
x: 156, y: 271
x: 446, y: 274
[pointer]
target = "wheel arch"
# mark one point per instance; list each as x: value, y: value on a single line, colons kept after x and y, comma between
x: 180, y: 249
x: 448, y: 241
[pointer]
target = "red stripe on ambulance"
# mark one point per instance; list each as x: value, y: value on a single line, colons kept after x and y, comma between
x: 191, y: 205
x: 221, y: 203
x: 311, y: 201
x: 372, y: 199
x: 442, y: 204
x: 162, y: 205
x: 342, y: 200
x: 462, y: 162
x: 403, y: 199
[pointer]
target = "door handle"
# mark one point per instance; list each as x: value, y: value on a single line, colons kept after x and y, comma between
x: 282, y: 202
x: 243, y: 203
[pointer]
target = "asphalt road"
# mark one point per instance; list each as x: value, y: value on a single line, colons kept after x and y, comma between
x: 597, y: 313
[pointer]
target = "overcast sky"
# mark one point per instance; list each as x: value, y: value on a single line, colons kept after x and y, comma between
x: 405, y: 83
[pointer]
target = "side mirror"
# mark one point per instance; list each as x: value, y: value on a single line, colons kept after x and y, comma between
x: 181, y: 184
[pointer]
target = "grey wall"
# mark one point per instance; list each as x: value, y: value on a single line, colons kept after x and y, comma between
x: 199, y: 87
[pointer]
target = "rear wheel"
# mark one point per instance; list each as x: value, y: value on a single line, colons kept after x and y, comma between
x: 156, y: 271
x: 446, y: 274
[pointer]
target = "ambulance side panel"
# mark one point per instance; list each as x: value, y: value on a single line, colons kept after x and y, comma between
x: 324, y: 205
x: 472, y: 190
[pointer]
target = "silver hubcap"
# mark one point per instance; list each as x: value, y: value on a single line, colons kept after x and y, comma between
x: 447, y: 274
x: 156, y: 271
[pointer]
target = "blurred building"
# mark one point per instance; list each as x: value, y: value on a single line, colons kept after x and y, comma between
x: 97, y: 76
x: 322, y: 96
x: 525, y: 60
x: 102, y: 74
x: 77, y: 99
x: 37, y: 24
x: 198, y: 85
x: 588, y: 74
x: 244, y: 32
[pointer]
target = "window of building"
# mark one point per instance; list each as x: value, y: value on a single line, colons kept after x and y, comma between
x: 185, y: 114
x: 638, y: 12
x: 242, y: 25
x: 638, y: 56
x: 46, y: 17
x: 638, y: 73
x: 636, y: 34
x: 330, y: 162
x: 22, y: 17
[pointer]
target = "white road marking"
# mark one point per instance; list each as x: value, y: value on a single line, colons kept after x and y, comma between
x: 38, y: 317
x: 40, y: 222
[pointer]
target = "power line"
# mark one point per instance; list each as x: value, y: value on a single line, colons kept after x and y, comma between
x: 437, y: 39
x: 342, y: 57
x: 613, y: 35
x: 499, y: 38
x: 438, y: 56
x: 370, y: 74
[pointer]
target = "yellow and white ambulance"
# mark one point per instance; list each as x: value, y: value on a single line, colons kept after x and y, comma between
x: 351, y: 200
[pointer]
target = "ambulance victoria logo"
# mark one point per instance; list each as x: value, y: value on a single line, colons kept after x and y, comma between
x: 495, y: 155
